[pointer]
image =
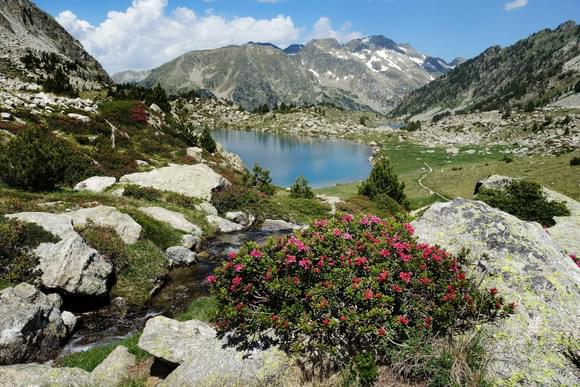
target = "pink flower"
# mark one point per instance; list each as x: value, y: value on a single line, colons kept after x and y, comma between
x: 360, y: 261
x: 290, y: 259
x: 305, y: 264
x: 405, y: 276
x: 409, y: 228
x: 404, y: 320
x: 256, y: 254
x: 236, y: 282
x: 405, y: 257
x: 382, y: 277
x: 239, y: 267
x: 321, y: 223
x: 346, y: 236
x: 385, y: 253
x: 381, y: 331
x: 346, y: 218
x: 337, y: 232
x: 232, y: 255
x: 396, y: 288
x: 211, y: 279
x: 368, y: 294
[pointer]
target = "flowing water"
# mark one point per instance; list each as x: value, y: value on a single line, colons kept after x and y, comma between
x: 323, y: 162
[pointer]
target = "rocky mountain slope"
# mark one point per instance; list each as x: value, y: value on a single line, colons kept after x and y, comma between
x: 371, y: 73
x: 533, y: 72
x: 33, y: 47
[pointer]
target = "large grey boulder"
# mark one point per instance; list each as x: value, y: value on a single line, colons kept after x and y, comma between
x: 114, y: 370
x: 31, y: 325
x: 202, y: 357
x: 43, y: 375
x: 109, y: 217
x: 207, y: 208
x: 96, y: 184
x: 522, y: 261
x: 197, y: 181
x: 493, y: 182
x: 223, y: 225
x: 242, y: 218
x: 172, y: 218
x: 195, y: 153
x: 69, y: 265
x: 180, y: 255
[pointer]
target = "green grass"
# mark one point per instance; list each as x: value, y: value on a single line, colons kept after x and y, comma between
x: 4, y: 284
x: 203, y: 309
x: 90, y: 359
x: 163, y: 235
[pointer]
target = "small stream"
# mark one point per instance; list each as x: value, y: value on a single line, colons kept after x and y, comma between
x: 115, y: 321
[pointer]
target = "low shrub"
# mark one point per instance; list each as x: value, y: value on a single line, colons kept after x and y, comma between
x: 575, y: 161
x: 235, y: 197
x: 301, y: 189
x: 143, y: 193
x: 526, y: 200
x: 206, y: 141
x: 17, y: 240
x: 353, y: 289
x: 384, y: 181
x: 259, y: 179
x: 108, y: 243
x: 36, y: 160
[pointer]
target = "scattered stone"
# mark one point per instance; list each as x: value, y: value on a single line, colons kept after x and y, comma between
x: 192, y: 242
x: 172, y: 218
x: 79, y: 117
x: 452, y: 151
x: 142, y: 163
x: 332, y: 201
x: 68, y: 265
x: 6, y: 116
x: 522, y: 261
x: 197, y: 181
x: 124, y: 225
x: 114, y: 370
x: 207, y: 208
x: 31, y: 325
x: 203, y: 358
x: 69, y: 320
x: 279, y: 225
x: 95, y: 184
x: 223, y: 225
x: 195, y: 153
x: 180, y: 255
x: 242, y: 218
x: 155, y: 108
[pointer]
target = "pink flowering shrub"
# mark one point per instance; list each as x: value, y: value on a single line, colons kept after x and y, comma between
x: 345, y: 286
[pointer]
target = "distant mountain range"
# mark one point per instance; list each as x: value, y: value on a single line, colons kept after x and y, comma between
x: 371, y: 73
x: 531, y: 73
x: 33, y: 46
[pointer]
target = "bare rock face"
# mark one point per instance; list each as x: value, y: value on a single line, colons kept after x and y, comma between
x: 172, y: 218
x: 31, y: 325
x: 125, y: 227
x: 114, y: 370
x: 223, y: 225
x: 526, y: 265
x: 96, y: 184
x: 180, y: 255
x: 69, y: 265
x: 202, y: 358
x: 197, y: 181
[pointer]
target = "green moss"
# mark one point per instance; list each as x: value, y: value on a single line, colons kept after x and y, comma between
x: 147, y: 263
x: 163, y: 235
x: 90, y: 359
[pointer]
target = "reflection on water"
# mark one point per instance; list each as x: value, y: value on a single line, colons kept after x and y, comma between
x: 322, y: 162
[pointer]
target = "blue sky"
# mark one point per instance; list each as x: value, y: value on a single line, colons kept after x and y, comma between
x: 445, y: 28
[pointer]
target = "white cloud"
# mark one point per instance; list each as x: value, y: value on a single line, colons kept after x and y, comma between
x: 323, y: 29
x: 145, y: 36
x: 515, y: 4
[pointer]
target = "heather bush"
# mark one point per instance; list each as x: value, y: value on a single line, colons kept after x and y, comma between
x: 384, y: 181
x: 143, y: 193
x: 526, y: 200
x: 108, y: 243
x: 37, y: 160
x: 301, y: 189
x: 351, y: 289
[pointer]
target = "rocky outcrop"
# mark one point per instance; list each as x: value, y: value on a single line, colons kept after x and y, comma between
x: 96, y: 184
x: 112, y: 372
x: 172, y: 218
x: 195, y: 153
x: 109, y: 217
x: 242, y: 218
x: 31, y: 325
x: 202, y: 357
x: 197, y: 181
x: 69, y: 265
x: 527, y: 266
x: 223, y: 225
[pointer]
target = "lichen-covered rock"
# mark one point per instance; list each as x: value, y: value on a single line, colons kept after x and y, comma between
x: 114, y: 370
x: 202, y: 357
x: 43, y: 375
x: 172, y: 218
x: 109, y: 217
x: 96, y: 184
x: 522, y: 261
x: 279, y: 225
x: 493, y: 182
x: 197, y: 181
x: 195, y: 153
x: 69, y: 265
x: 31, y: 325
x: 223, y: 225
x: 567, y: 233
x: 207, y: 208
